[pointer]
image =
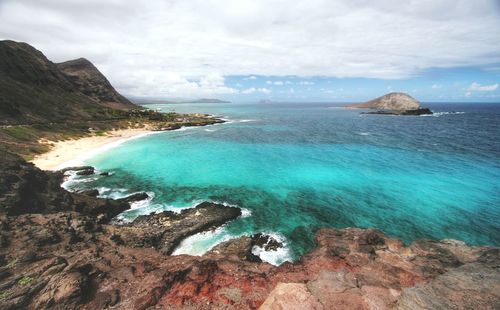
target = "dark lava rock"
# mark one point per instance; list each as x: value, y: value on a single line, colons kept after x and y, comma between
x: 134, y: 197
x: 105, y: 174
x: 78, y: 168
x: 266, y: 242
x: 89, y: 192
x: 416, y: 112
x: 421, y: 111
x: 26, y: 189
x: 166, y: 230
x: 89, y: 171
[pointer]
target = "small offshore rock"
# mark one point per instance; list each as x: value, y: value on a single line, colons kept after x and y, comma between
x: 89, y: 192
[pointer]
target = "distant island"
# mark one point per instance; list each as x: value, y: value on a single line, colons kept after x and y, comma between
x: 393, y: 104
x: 206, y: 100
x: 160, y: 101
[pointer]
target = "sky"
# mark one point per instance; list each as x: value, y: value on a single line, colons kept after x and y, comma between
x: 250, y: 50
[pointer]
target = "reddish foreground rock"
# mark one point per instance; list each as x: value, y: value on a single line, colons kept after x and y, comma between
x: 58, y: 250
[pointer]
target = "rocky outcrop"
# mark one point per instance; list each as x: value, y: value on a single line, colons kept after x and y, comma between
x: 416, y: 112
x: 364, y: 269
x: 243, y: 246
x: 164, y: 231
x: 63, y: 253
x: 391, y: 101
x: 134, y: 197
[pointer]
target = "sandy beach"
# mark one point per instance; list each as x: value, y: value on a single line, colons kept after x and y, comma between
x: 73, y: 152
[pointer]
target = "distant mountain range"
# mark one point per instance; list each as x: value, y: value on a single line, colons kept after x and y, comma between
x: 176, y: 101
x: 35, y: 90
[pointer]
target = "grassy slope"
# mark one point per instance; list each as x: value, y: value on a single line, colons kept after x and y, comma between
x: 25, y: 139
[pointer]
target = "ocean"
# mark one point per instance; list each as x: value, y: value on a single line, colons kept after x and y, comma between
x: 297, y: 167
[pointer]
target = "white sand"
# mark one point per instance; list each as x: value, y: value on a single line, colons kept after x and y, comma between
x: 74, y: 152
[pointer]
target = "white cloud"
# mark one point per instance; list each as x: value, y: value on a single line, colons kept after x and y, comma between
x: 278, y: 83
x: 306, y: 83
x: 478, y: 87
x: 256, y: 90
x: 136, y: 44
x: 172, y: 84
x: 436, y: 86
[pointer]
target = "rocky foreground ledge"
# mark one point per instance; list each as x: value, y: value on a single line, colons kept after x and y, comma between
x: 59, y: 250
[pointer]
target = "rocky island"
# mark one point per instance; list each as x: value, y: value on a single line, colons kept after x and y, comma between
x: 393, y: 104
x: 66, y: 250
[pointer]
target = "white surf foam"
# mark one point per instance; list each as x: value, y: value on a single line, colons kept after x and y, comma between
x: 226, y: 120
x: 277, y: 257
x: 113, y: 193
x: 245, y: 213
x: 202, y: 242
x: 438, y: 114
x: 184, y: 128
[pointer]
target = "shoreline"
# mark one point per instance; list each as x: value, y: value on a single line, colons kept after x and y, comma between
x: 74, y: 152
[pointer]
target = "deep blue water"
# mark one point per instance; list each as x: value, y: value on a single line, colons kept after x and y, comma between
x: 299, y: 167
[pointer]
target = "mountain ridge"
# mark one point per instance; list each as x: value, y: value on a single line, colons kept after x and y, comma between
x: 91, y: 82
x: 33, y: 89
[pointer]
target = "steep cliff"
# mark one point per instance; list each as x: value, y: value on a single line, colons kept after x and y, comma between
x: 91, y: 82
x: 35, y: 90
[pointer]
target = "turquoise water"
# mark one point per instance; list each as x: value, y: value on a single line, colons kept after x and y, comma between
x: 299, y: 167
